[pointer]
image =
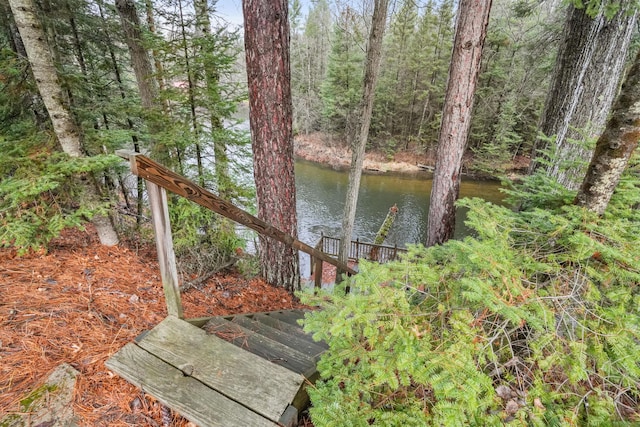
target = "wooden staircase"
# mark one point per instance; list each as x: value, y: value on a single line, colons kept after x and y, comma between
x: 234, y: 371
x: 242, y: 370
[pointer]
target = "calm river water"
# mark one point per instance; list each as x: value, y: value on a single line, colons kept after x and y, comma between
x: 320, y: 199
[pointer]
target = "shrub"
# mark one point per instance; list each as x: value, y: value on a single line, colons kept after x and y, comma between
x: 535, y: 321
x: 39, y: 192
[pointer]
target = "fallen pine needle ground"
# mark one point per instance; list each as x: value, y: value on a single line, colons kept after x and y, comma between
x: 81, y: 302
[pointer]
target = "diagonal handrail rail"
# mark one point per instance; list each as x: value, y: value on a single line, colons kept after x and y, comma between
x: 158, y: 174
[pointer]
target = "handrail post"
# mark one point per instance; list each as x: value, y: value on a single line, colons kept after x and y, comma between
x: 318, y: 274
x: 164, y: 246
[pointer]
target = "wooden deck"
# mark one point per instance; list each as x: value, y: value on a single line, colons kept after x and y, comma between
x: 242, y: 370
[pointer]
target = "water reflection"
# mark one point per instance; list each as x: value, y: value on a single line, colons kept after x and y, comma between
x: 320, y: 198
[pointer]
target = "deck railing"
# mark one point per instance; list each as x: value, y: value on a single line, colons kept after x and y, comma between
x: 357, y: 250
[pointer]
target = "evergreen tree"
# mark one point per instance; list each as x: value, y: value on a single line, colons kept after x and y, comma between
x: 64, y: 124
x: 396, y: 90
x: 513, y: 82
x: 435, y: 31
x: 308, y: 67
x: 342, y: 89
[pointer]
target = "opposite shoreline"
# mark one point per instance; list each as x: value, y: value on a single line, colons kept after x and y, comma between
x: 323, y: 150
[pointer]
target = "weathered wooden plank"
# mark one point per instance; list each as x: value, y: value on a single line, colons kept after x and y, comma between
x: 186, y: 395
x: 297, y: 330
x: 160, y: 175
x: 266, y: 348
x: 289, y: 316
x: 265, y: 387
x: 290, y: 340
x: 164, y: 246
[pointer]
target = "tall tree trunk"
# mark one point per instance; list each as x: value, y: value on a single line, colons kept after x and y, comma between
x: 372, y: 67
x: 212, y: 80
x: 139, y: 56
x: 471, y: 30
x: 614, y: 147
x: 586, y: 79
x: 48, y: 83
x: 134, y: 138
x: 268, y: 73
x: 191, y: 83
x: 159, y: 75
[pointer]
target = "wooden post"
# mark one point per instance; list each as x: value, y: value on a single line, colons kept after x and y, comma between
x: 164, y: 245
x: 318, y: 274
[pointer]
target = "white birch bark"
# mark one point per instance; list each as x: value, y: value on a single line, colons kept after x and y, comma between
x: 54, y: 99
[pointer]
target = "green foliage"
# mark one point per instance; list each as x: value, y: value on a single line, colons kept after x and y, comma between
x: 533, y: 322
x: 513, y: 84
x: 341, y: 92
x: 39, y: 195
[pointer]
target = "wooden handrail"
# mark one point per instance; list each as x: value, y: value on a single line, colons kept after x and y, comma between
x: 156, y: 173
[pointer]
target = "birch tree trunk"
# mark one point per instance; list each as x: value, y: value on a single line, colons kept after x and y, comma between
x: 53, y: 97
x: 372, y: 67
x: 270, y: 119
x: 614, y: 147
x: 586, y: 79
x: 471, y: 30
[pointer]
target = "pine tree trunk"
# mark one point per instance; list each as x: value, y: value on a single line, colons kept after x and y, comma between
x: 159, y: 74
x: 586, y: 79
x: 134, y: 137
x: 471, y: 30
x: 48, y: 83
x: 270, y: 119
x: 614, y: 147
x: 372, y: 67
x: 139, y: 55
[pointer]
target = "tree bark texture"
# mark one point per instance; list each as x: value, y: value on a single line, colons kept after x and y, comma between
x: 614, y: 147
x: 140, y: 60
x: 372, y: 67
x: 471, y: 30
x: 270, y: 119
x: 585, y: 82
x: 53, y: 97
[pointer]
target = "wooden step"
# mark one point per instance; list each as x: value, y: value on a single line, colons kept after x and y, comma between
x: 289, y: 339
x: 267, y: 348
x: 194, y: 373
x: 183, y: 394
x: 274, y: 322
x: 288, y: 316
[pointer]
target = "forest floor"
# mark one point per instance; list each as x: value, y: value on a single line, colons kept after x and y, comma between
x: 326, y: 150
x: 81, y: 302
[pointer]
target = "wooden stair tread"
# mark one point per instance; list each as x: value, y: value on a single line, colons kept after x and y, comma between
x: 260, y: 345
x: 274, y: 322
x: 289, y: 316
x: 184, y: 394
x: 265, y: 387
x: 290, y: 340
